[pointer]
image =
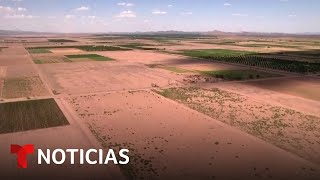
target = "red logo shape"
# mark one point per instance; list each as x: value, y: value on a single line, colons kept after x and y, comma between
x: 22, y: 152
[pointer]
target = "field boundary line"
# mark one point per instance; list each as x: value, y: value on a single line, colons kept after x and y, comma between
x: 74, y: 120
x: 238, y: 131
x: 41, y: 76
x: 235, y: 64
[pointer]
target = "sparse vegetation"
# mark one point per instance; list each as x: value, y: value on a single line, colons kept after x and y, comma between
x: 101, y: 48
x: 84, y: 48
x: 13, y: 86
x: 175, y: 69
x: 206, y: 53
x: 255, y: 59
x: 153, y: 65
x: 94, y: 57
x: 285, y: 128
x: 169, y: 68
x: 45, y: 61
x: 241, y: 44
x: 61, y: 40
x: 139, y: 46
x: 38, y: 61
x: 2, y: 48
x: 38, y: 50
x: 238, y: 74
x: 28, y: 115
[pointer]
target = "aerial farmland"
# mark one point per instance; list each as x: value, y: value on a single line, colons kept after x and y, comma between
x: 160, y: 90
x: 242, y: 103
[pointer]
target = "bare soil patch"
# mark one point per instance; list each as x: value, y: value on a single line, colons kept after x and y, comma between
x: 88, y: 77
x: 23, y: 87
x: 3, y: 71
x: 306, y: 87
x: 275, y: 98
x: 137, y: 56
x: 179, y: 143
x: 207, y: 66
x: 12, y: 59
x: 66, y: 51
x: 288, y: 129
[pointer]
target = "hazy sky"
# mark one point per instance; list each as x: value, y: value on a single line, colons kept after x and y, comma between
x: 159, y: 15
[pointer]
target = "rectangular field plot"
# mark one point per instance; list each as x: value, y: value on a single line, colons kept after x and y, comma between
x: 237, y: 75
x: 38, y: 51
x: 101, y: 48
x: 169, y: 68
x: 2, y: 48
x: 171, y: 133
x: 49, y: 59
x: 94, y: 57
x: 28, y: 115
x: 306, y: 87
x: 18, y: 87
x: 261, y: 60
x: 65, y: 51
x: 61, y: 40
x: 215, y: 53
x: 141, y: 46
x: 288, y: 129
x: 96, y: 77
x: 44, y: 49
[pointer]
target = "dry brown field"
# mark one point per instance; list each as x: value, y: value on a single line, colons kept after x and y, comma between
x: 180, y: 116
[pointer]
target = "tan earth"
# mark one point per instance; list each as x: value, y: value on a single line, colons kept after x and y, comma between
x: 66, y: 51
x: 199, y: 46
x: 71, y: 136
x: 260, y: 129
x: 49, y: 58
x: 307, y: 106
x: 206, y: 66
x: 170, y: 141
x: 288, y: 129
x: 88, y: 77
x: 306, y: 87
x: 145, y: 57
x: 18, y: 75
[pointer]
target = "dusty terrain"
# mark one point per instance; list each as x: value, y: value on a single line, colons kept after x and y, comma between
x: 18, y: 76
x: 88, y: 77
x: 66, y: 51
x: 200, y: 127
x: 288, y: 129
x: 306, y: 87
x: 145, y: 57
x: 188, y: 145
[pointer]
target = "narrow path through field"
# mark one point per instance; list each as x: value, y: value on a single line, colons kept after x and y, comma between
x: 42, y: 77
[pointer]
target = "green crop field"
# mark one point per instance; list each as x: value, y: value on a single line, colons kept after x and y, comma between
x: 61, y: 40
x: 101, y: 48
x: 139, y: 46
x: 38, y: 51
x: 44, y: 61
x: 215, y: 52
x: 238, y: 43
x: 28, y: 115
x: 94, y: 57
x: 169, y: 68
x: 237, y: 75
x: 84, y: 48
x: 255, y: 59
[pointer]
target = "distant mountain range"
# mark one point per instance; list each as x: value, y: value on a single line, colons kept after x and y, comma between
x: 273, y: 34
x: 15, y: 32
x: 209, y: 33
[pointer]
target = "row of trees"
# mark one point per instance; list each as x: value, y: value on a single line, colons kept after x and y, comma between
x: 270, y: 63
